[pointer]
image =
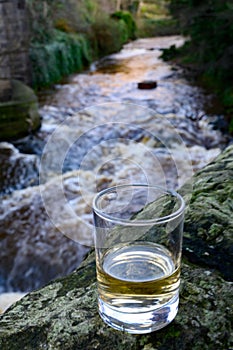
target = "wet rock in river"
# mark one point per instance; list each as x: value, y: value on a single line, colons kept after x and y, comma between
x: 63, y: 315
x: 147, y: 84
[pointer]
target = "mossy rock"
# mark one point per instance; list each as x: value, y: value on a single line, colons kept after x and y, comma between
x: 19, y: 116
x: 208, y: 229
x: 63, y: 315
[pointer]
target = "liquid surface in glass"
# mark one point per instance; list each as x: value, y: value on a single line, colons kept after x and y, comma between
x: 137, y: 275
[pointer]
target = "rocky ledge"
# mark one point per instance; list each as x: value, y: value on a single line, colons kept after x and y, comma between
x: 63, y: 315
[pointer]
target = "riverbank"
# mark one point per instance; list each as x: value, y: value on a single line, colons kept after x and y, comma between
x: 208, y: 51
x: 64, y: 51
x: 192, y: 72
x: 65, y: 38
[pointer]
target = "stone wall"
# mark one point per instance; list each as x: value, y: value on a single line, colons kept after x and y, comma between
x: 14, y: 41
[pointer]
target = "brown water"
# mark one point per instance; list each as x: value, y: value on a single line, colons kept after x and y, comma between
x: 98, y: 130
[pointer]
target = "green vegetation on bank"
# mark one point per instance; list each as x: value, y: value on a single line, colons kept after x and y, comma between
x: 66, y: 54
x: 128, y: 20
x: 157, y: 27
x: 154, y: 19
x: 67, y: 36
x: 109, y: 33
x: 209, y: 51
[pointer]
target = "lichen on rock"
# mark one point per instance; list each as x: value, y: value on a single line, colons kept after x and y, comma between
x: 208, y: 230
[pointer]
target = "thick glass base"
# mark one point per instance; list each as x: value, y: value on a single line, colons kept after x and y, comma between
x: 139, y: 322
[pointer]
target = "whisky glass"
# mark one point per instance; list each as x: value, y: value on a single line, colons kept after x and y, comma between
x: 138, y: 244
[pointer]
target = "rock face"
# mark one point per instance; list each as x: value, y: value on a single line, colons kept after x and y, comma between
x: 208, y: 231
x: 63, y: 315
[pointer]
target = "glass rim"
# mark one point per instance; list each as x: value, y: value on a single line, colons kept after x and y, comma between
x: 129, y: 222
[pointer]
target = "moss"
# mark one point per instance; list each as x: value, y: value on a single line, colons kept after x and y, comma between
x: 19, y: 116
x: 208, y: 230
x: 66, y: 54
x: 55, y: 318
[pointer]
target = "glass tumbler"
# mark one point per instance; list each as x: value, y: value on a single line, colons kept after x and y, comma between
x: 138, y: 243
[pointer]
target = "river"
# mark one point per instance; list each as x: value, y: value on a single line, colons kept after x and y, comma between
x: 98, y: 129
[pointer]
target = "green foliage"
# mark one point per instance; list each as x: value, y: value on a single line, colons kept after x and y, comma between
x: 75, y: 15
x: 231, y: 126
x: 152, y: 9
x: 169, y: 53
x: 63, y: 25
x: 67, y: 35
x: 153, y: 19
x: 108, y: 35
x: 157, y: 27
x: 129, y: 21
x: 209, y: 23
x: 50, y: 62
x: 228, y: 104
x: 41, y: 19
